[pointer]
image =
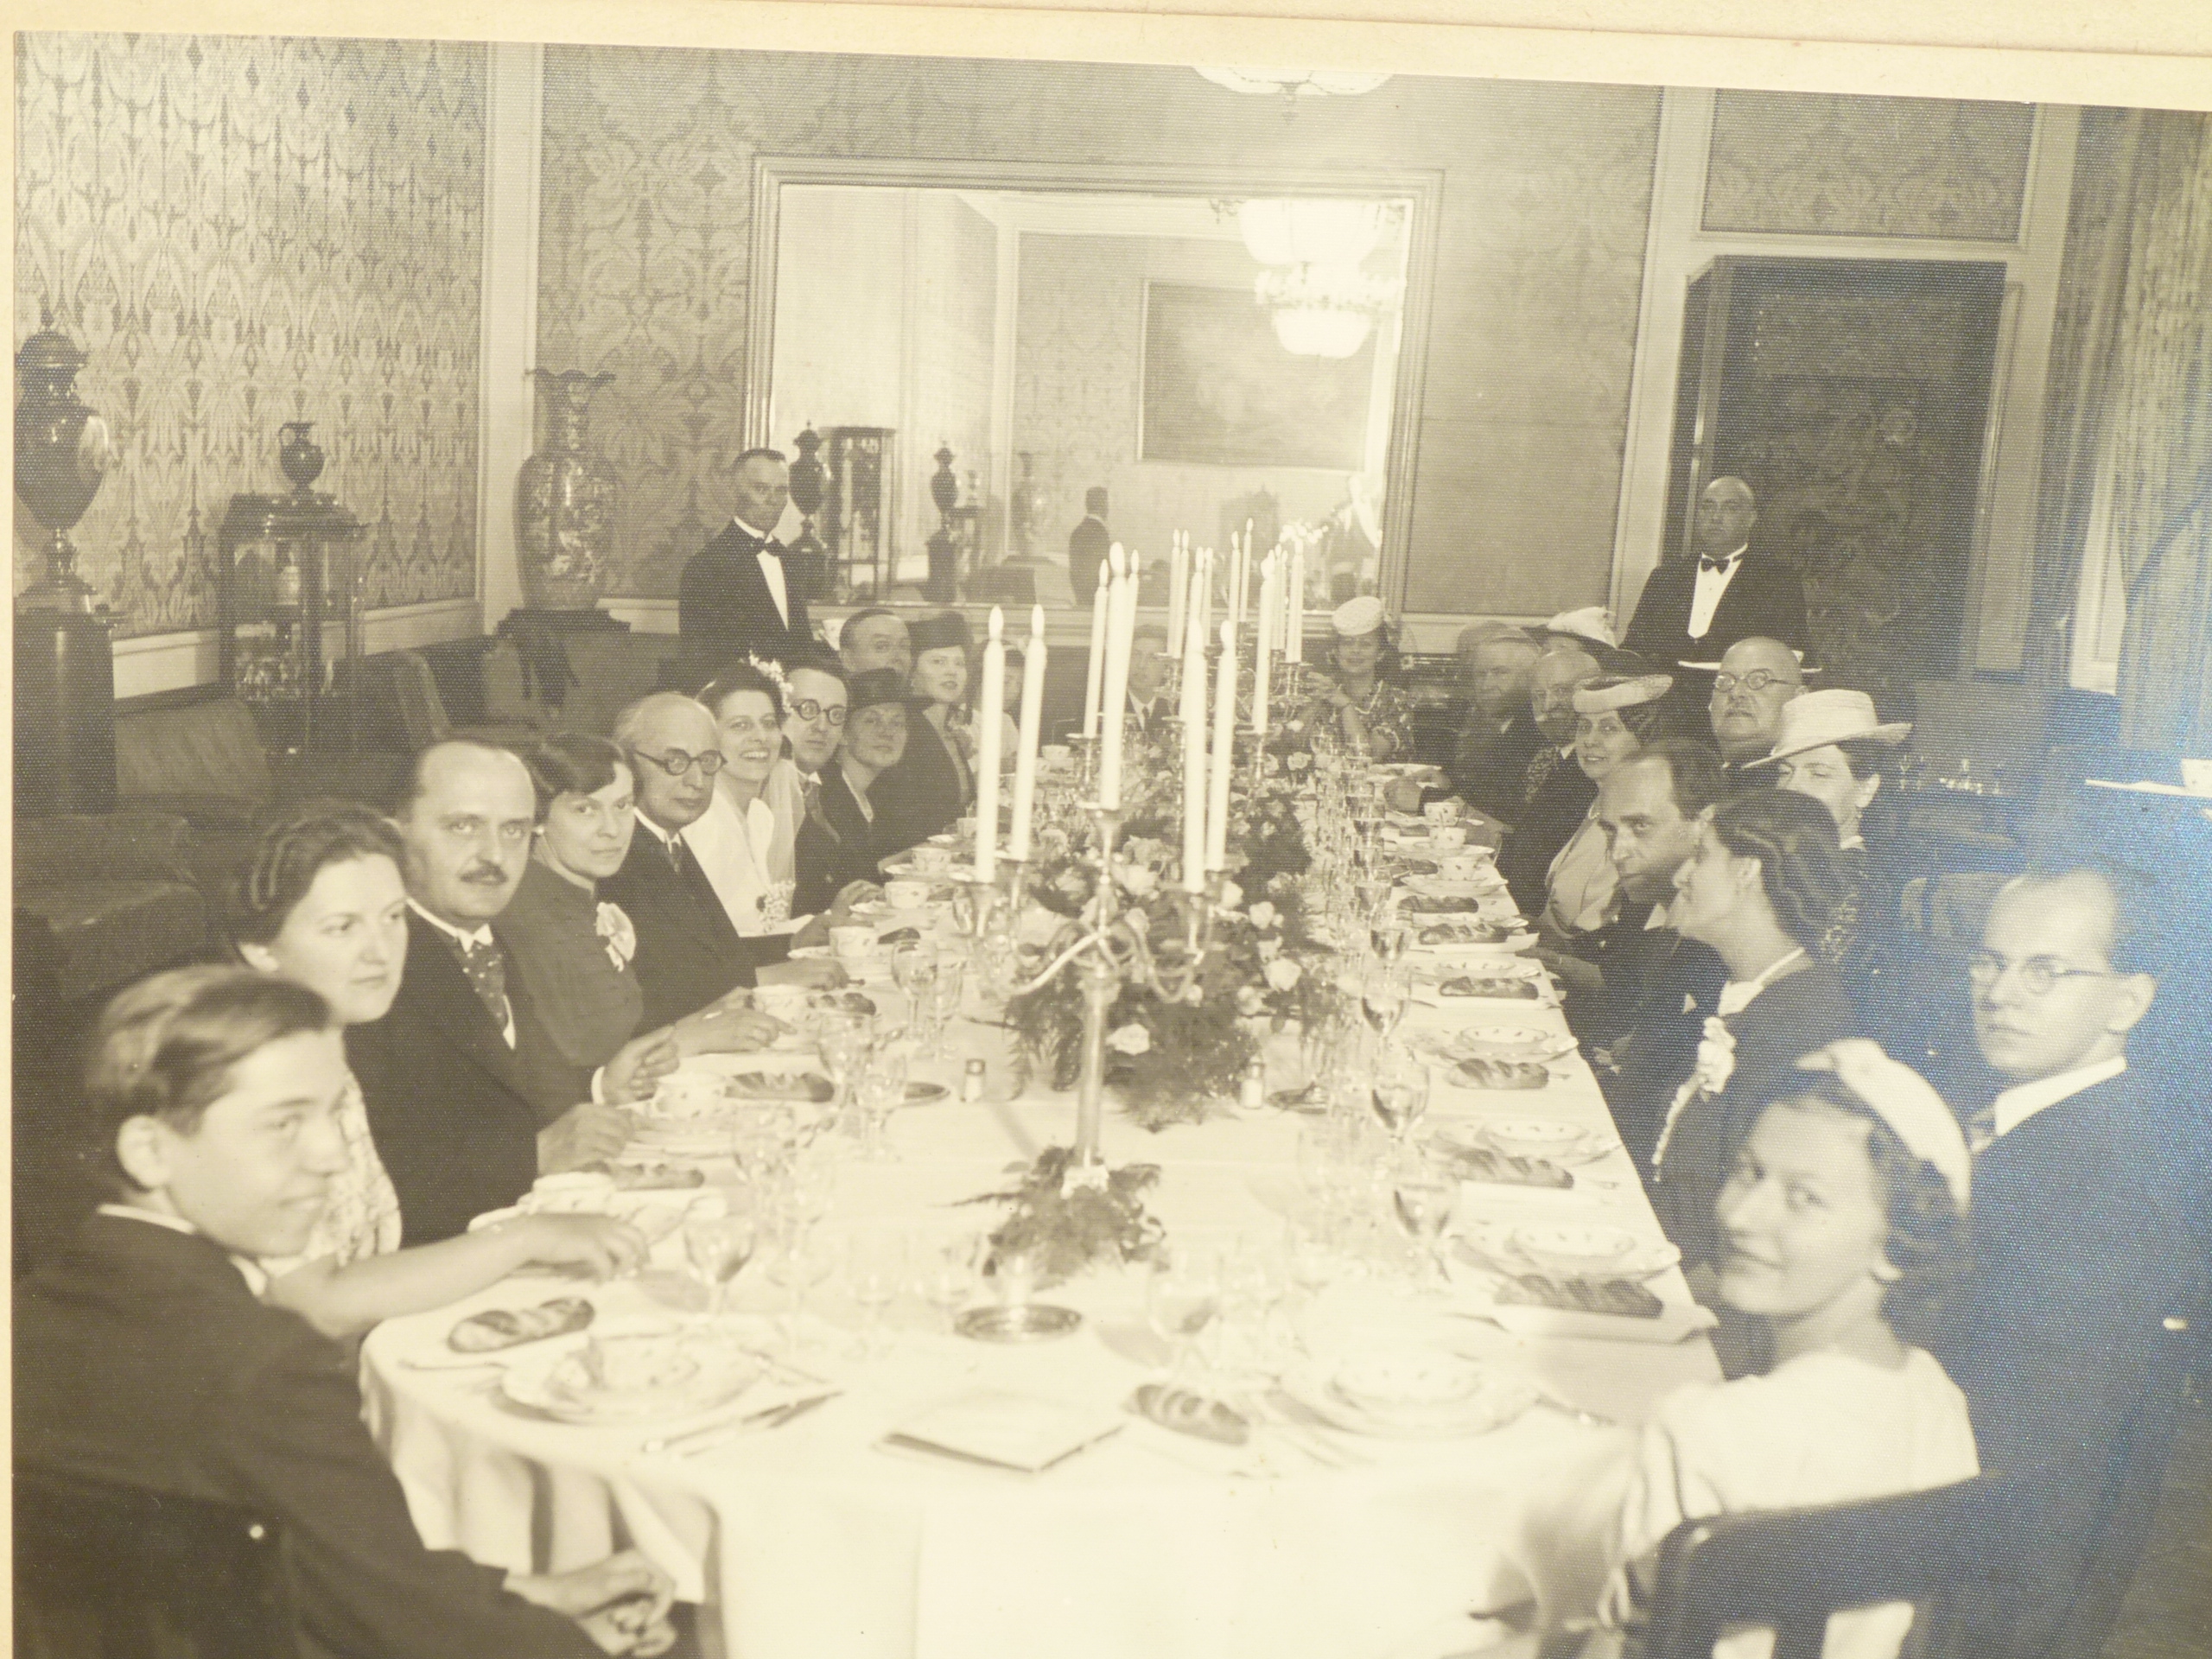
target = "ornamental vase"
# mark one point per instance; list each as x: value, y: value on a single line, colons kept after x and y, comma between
x: 63, y: 453
x: 1026, y: 509
x: 565, y: 500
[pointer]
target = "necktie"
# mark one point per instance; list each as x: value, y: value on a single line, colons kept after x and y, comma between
x: 1540, y: 767
x: 1981, y: 1129
x: 486, y: 965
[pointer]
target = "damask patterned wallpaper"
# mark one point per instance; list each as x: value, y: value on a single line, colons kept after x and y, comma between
x: 1825, y: 164
x: 645, y: 218
x: 245, y: 231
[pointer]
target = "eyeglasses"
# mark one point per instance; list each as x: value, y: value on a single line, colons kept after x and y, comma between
x: 676, y: 763
x: 810, y: 711
x: 1758, y: 680
x: 2038, y: 975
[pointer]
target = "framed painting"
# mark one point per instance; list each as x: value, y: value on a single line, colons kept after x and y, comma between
x: 1220, y: 390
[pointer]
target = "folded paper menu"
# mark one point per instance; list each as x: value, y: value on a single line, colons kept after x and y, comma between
x: 1015, y: 1431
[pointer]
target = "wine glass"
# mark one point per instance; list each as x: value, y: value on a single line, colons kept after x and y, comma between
x: 718, y: 1242
x: 844, y: 1040
x: 944, y: 1000
x: 1423, y: 1194
x: 1383, y: 998
x: 1400, y: 1092
x: 1182, y: 1298
x: 914, y: 967
x: 946, y: 1270
x: 878, y: 1089
x: 875, y: 1271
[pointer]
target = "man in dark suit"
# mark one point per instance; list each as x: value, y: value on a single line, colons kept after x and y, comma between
x: 1694, y: 608
x: 143, y: 1356
x: 1148, y: 674
x: 739, y: 595
x: 1556, y: 792
x: 468, y: 1097
x: 1490, y: 759
x: 1088, y: 545
x: 2083, y: 1250
x: 839, y: 843
x: 1756, y: 676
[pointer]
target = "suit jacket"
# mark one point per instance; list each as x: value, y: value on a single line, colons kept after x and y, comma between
x: 724, y: 609
x: 1488, y: 765
x: 688, y: 950
x: 2081, y: 1248
x: 1089, y: 543
x: 1642, y: 1032
x: 1561, y: 803
x: 455, y: 1111
x: 1764, y: 599
x: 921, y: 795
x: 1796, y: 1014
x: 1149, y: 723
x: 142, y: 1358
x: 835, y: 845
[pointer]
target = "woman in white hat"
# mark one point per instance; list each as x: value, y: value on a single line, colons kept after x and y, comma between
x: 1830, y: 746
x: 1615, y: 715
x: 1372, y: 716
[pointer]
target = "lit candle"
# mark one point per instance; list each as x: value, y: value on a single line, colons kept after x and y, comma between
x: 1294, y: 641
x: 1193, y: 711
x: 1240, y: 554
x: 1114, y: 691
x: 1095, y: 671
x: 1268, y: 580
x: 991, y: 717
x: 1033, y: 720
x: 1225, y: 745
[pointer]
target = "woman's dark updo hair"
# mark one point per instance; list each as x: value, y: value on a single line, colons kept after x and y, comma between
x: 293, y: 850
x: 1793, y: 839
x: 572, y: 762
x: 1928, y: 1242
x: 741, y: 677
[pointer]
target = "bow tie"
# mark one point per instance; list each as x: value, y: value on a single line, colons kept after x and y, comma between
x: 1707, y: 562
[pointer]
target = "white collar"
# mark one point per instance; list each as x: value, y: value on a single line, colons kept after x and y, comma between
x: 1851, y: 843
x: 480, y: 934
x: 256, y: 1280
x: 1726, y: 558
x: 768, y: 535
x: 1658, y: 917
x: 2023, y: 1101
x: 1739, y: 994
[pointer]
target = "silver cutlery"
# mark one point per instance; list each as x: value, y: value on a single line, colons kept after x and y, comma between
x: 692, y: 1441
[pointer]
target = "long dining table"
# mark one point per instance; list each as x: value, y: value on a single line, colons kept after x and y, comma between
x: 830, y: 1538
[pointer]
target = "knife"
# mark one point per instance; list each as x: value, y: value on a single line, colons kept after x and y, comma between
x: 714, y: 1435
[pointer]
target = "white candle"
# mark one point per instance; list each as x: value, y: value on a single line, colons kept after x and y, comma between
x: 1268, y: 583
x: 991, y: 717
x: 1178, y: 575
x: 1294, y: 641
x: 1193, y: 711
x: 1114, y: 691
x: 1225, y: 748
x: 1240, y: 555
x: 1095, y: 671
x: 1202, y: 601
x: 1033, y: 722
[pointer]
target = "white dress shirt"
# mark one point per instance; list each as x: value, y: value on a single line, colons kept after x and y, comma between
x: 480, y: 935
x: 1705, y: 600
x: 772, y: 570
x: 2021, y: 1102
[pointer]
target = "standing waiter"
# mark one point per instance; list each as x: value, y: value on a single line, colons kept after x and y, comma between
x: 738, y: 595
x: 1693, y: 609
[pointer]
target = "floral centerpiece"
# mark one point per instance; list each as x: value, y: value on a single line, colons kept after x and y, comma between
x: 1064, y: 1224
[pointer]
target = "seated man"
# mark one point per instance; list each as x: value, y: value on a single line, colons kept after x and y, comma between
x: 143, y: 1356
x: 1756, y: 676
x: 469, y: 1099
x: 837, y: 844
x: 1490, y: 757
x: 875, y: 638
x: 1556, y: 793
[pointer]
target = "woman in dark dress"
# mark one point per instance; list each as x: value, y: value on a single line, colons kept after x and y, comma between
x: 1761, y: 891
x: 934, y: 781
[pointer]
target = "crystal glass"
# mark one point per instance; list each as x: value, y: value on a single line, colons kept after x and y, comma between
x: 947, y: 1271
x: 718, y: 1241
x: 843, y: 1039
x: 875, y: 1271
x: 878, y: 1089
x: 944, y: 1000
x: 1182, y: 1300
x: 1400, y: 1092
x: 1382, y: 995
x: 914, y: 967
x: 1422, y: 1196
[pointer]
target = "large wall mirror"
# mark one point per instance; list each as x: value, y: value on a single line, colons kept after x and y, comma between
x: 957, y: 366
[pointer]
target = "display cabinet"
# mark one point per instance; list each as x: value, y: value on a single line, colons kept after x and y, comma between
x: 857, y: 523
x: 289, y: 617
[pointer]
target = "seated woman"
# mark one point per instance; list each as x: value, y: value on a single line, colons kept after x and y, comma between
x: 1831, y: 747
x: 1615, y: 715
x: 1761, y: 891
x: 1841, y: 1226
x: 933, y: 782
x: 838, y: 843
x: 215, y: 1110
x: 1368, y: 714
x: 747, y: 839
x: 321, y: 904
x: 572, y: 948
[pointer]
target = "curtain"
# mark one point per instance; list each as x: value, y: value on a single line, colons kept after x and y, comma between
x: 2158, y: 411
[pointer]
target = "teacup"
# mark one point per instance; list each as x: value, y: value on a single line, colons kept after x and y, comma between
x: 935, y: 859
x: 1445, y: 836
x: 852, y: 945
x: 786, y: 1002
x: 1441, y: 811
x: 1461, y: 867
x: 905, y: 895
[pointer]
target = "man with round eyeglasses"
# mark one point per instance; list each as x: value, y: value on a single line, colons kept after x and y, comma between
x: 814, y: 714
x: 1756, y: 676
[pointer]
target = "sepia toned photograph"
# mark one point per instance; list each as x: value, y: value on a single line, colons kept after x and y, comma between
x: 860, y: 832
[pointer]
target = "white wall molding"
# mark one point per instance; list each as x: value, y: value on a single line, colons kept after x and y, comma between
x: 172, y: 662
x: 507, y: 349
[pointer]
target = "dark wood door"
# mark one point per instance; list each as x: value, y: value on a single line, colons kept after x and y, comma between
x: 1851, y: 396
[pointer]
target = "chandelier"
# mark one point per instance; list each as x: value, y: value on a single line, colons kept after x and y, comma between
x: 1291, y: 85
x: 1325, y: 310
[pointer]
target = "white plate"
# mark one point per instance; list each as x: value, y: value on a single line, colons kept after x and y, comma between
x: 1441, y: 886
x: 1575, y: 1248
x: 551, y: 1382
x: 1580, y: 1146
x: 1505, y: 967
x: 1495, y: 1401
x: 1508, y: 1043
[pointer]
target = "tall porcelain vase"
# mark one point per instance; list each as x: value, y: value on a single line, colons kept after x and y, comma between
x: 565, y: 500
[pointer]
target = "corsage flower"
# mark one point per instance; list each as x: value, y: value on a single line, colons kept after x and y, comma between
x: 615, y: 929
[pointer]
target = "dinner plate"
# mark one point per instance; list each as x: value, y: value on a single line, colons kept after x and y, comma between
x: 1575, y: 1248
x: 1447, y: 1396
x: 699, y: 1378
x: 1494, y: 1245
x: 1508, y: 1043
x: 1439, y: 886
x: 1580, y: 1146
x: 1505, y: 967
x: 683, y: 1141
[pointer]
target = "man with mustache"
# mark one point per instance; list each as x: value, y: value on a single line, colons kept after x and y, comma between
x: 468, y: 1096
x: 1756, y: 676
x: 1556, y: 792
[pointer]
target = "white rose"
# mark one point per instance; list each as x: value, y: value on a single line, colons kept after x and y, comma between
x: 1232, y: 896
x: 1283, y: 974
x: 1264, y: 914
x: 1130, y: 1039
x: 1250, y: 1002
x: 1716, y: 1057
x: 1137, y: 879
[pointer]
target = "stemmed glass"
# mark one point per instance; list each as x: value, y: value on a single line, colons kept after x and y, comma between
x: 878, y: 1089
x: 1400, y: 1092
x: 843, y: 1039
x: 915, y: 967
x: 1423, y: 1194
x: 875, y: 1271
x: 1182, y: 1298
x: 718, y: 1242
x: 946, y: 1272
x: 1383, y: 998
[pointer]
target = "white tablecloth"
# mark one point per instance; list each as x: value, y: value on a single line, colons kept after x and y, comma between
x: 814, y: 1543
